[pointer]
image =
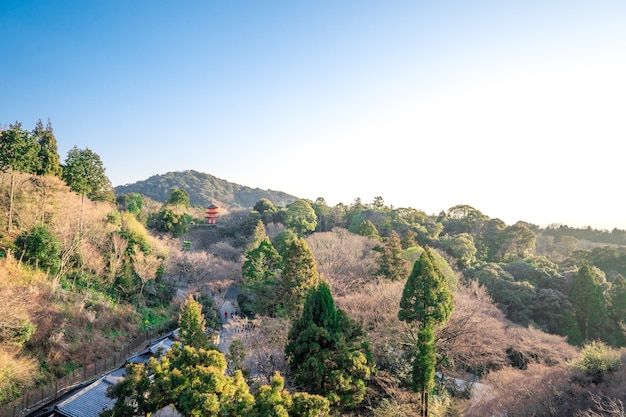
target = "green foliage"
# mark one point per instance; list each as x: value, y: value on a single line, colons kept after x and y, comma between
x: 427, y: 301
x: 40, y: 248
x: 84, y: 173
x: 194, y: 382
x: 299, y: 275
x: 327, y: 351
x: 426, y: 298
x: 235, y: 358
x: 134, y: 233
x: 204, y: 189
x: 48, y: 153
x: 18, y: 150
x: 598, y: 360
x: 258, y: 235
x: 17, y: 331
x: 425, y: 360
x: 192, y: 325
x: 392, y: 265
x: 516, y: 243
x: 461, y: 247
x: 586, y: 295
x: 211, y: 311
x: 264, y: 205
x: 260, y: 276
x: 169, y: 221
x: 300, y: 217
x: 274, y: 401
x: 368, y: 229
x: 309, y: 405
x: 283, y: 240
x: 133, y: 203
x: 178, y: 198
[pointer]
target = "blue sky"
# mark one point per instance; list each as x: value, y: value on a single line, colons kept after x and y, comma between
x: 514, y: 107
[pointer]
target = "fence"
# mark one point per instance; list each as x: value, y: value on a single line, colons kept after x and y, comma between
x: 44, y: 394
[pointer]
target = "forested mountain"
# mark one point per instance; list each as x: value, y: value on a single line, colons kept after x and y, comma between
x: 203, y: 189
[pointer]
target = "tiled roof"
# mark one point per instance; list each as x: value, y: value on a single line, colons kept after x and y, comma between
x: 91, y: 400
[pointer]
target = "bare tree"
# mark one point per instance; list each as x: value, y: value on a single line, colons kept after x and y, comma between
x: 605, y: 407
x: 118, y: 246
x: 265, y: 344
x: 346, y: 260
x: 145, y: 266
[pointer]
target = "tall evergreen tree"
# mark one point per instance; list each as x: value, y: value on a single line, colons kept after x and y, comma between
x: 617, y: 308
x: 586, y: 295
x: 258, y: 235
x: 48, y: 158
x: 299, y: 275
x: 428, y: 302
x: 392, y: 265
x: 192, y: 324
x: 327, y: 351
x: 18, y: 153
x: 260, y: 275
x: 617, y: 299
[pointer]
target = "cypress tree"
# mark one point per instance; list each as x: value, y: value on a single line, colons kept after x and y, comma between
x: 49, y: 162
x: 327, y: 351
x: 428, y: 302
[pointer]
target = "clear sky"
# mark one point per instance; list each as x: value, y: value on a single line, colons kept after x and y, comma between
x: 517, y: 108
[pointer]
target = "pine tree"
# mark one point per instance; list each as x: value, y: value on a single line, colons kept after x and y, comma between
x: 327, y: 351
x: 48, y: 158
x: 428, y: 302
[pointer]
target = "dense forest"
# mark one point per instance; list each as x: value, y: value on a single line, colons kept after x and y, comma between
x: 203, y: 189
x: 359, y: 309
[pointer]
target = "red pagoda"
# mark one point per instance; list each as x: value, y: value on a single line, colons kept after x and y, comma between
x: 211, y: 213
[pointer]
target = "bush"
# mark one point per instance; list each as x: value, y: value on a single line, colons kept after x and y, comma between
x: 40, y: 248
x: 598, y: 360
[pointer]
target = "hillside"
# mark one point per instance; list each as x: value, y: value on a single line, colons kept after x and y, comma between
x: 203, y: 189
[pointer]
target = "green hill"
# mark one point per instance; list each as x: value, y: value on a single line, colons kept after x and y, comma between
x: 203, y: 189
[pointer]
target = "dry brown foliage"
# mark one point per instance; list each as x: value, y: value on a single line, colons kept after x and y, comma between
x: 474, y: 338
x: 145, y: 266
x: 265, y: 340
x: 202, y: 270
x: 344, y: 259
x: 538, y: 391
x: 19, y: 295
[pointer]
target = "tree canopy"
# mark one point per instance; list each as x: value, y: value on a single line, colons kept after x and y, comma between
x: 84, y: 173
x: 327, y: 351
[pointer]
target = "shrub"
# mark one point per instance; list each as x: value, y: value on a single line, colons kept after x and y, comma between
x: 40, y: 248
x: 597, y: 360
